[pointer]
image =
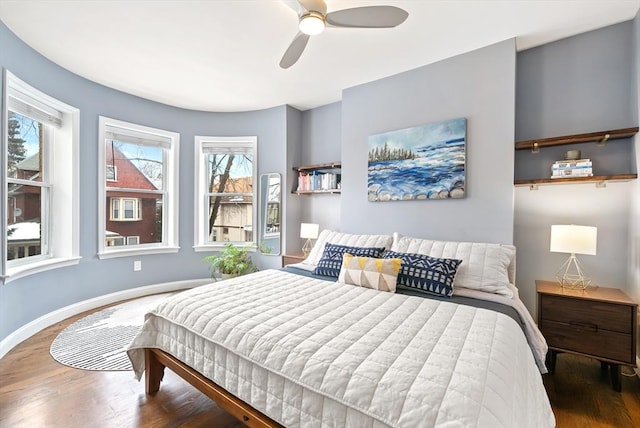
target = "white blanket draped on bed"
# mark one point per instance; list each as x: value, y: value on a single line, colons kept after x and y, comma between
x: 311, y: 353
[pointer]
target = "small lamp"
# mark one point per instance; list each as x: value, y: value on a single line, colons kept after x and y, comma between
x: 574, y: 240
x: 308, y: 231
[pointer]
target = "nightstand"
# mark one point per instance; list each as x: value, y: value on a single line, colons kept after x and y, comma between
x: 289, y: 259
x: 597, y: 322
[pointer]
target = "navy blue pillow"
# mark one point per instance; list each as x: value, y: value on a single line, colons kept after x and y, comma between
x: 424, y: 273
x: 331, y: 260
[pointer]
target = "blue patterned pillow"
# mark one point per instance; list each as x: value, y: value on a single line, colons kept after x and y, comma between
x: 331, y: 260
x: 424, y: 273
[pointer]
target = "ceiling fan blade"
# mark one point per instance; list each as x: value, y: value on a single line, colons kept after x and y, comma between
x: 319, y: 6
x: 294, y: 50
x: 294, y: 5
x: 367, y: 17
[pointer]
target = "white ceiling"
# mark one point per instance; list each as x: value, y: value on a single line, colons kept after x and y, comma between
x: 223, y: 55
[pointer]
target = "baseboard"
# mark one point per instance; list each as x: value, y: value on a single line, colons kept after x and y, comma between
x: 28, y: 330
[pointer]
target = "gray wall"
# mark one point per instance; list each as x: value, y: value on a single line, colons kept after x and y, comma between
x: 293, y: 204
x: 576, y: 85
x: 322, y: 143
x: 479, y: 86
x: 26, y: 299
x: 634, y: 216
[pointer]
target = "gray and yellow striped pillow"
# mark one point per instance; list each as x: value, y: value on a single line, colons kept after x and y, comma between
x: 369, y: 272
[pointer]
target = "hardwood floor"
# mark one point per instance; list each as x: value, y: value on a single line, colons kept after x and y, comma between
x: 37, y: 391
x: 581, y: 395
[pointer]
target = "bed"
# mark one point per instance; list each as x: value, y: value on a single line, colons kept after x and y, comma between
x: 291, y: 348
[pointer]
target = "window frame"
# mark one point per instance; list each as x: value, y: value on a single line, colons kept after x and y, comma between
x: 59, y: 245
x: 169, y: 141
x: 201, y: 193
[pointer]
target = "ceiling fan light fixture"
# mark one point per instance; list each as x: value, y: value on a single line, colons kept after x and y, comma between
x: 313, y: 17
x: 311, y: 23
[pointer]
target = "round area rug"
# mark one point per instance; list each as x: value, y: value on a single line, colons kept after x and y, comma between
x: 99, y: 341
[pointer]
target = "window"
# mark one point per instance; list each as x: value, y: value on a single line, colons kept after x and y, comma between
x: 112, y: 173
x: 139, y: 189
x: 225, y: 193
x: 40, y: 174
x: 29, y: 188
x: 125, y: 209
x: 117, y: 241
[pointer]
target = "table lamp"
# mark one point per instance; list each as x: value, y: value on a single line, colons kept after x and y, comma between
x: 574, y: 240
x: 308, y: 231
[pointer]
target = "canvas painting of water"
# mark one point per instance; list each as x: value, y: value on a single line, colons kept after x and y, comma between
x: 422, y: 162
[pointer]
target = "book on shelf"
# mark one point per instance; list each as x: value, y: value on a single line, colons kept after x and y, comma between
x: 572, y: 168
x: 318, y: 180
x: 561, y: 164
x: 575, y: 172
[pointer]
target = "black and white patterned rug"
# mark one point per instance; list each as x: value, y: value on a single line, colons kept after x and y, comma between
x: 99, y: 341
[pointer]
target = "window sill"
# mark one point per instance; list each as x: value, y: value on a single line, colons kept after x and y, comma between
x: 136, y: 252
x: 27, y: 269
x: 219, y: 247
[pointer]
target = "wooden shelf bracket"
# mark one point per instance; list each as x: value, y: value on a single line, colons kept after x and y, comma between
x: 604, y: 140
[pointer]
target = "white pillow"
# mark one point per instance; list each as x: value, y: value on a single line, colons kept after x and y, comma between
x: 485, y: 267
x: 349, y: 239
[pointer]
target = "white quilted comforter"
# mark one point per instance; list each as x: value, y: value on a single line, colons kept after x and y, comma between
x: 311, y: 353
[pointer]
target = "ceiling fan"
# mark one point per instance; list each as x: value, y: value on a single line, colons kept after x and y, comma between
x: 313, y: 17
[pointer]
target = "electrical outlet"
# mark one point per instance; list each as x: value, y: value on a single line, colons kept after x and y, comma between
x: 137, y: 265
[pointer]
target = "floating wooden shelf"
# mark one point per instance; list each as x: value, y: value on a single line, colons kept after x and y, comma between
x: 315, y: 192
x: 594, y: 179
x: 319, y: 166
x: 601, y: 136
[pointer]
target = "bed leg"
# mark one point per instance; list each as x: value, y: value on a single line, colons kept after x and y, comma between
x: 153, y: 373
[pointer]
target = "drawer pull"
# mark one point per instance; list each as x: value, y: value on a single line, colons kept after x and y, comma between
x: 584, y: 326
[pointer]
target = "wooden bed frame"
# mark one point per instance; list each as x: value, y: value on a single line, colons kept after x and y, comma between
x: 155, y: 362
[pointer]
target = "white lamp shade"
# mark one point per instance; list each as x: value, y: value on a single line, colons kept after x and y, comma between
x: 309, y: 230
x: 573, y: 239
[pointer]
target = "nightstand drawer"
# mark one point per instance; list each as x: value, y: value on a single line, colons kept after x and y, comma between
x: 603, y: 343
x: 606, y: 316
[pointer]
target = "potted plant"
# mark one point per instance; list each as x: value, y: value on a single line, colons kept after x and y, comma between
x: 230, y: 262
